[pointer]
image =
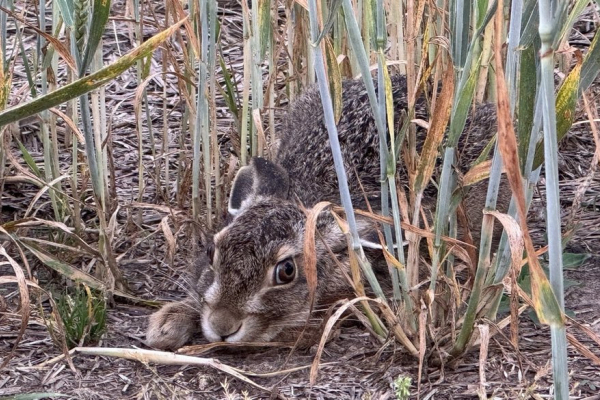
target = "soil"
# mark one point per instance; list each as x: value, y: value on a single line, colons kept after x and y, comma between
x: 354, y: 364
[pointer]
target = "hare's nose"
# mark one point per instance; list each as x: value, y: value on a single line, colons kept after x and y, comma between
x: 233, y: 332
x: 224, y: 324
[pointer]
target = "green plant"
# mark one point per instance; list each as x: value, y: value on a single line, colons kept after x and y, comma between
x: 571, y: 261
x: 402, y: 387
x: 83, y: 313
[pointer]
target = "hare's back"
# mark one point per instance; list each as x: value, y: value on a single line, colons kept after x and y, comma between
x: 305, y: 153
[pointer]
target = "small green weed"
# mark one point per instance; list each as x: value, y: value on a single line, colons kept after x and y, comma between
x: 83, y: 313
x: 402, y: 387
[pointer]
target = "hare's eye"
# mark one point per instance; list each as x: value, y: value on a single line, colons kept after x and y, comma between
x: 285, y: 272
x: 210, y: 251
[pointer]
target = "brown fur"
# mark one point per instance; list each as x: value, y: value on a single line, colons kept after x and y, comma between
x: 242, y: 300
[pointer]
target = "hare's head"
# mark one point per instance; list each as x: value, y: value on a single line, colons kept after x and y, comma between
x: 259, y: 285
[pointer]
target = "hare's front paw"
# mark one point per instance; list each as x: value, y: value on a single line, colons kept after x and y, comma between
x: 172, y: 326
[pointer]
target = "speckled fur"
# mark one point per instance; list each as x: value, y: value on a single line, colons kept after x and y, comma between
x: 304, y: 152
x: 241, y: 302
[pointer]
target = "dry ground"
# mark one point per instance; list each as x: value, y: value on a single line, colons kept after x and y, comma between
x: 355, y: 366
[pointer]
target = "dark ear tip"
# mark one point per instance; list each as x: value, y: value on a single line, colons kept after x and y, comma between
x: 270, y: 172
x: 260, y: 163
x: 272, y: 179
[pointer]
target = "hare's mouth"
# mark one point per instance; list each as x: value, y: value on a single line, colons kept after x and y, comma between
x: 249, y: 329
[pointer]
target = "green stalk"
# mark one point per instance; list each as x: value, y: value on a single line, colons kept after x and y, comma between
x: 363, y: 64
x: 214, y: 145
x: 165, y: 156
x: 459, y: 28
x: 3, y: 32
x: 513, y: 58
x: 246, y: 90
x: 100, y: 131
x: 550, y: 12
x: 442, y: 213
x: 202, y: 126
x: 5, y: 82
x: 256, y: 80
x: 140, y: 75
x: 201, y: 113
x: 49, y: 168
x: 463, y: 99
x: 56, y: 27
x: 387, y: 169
x: 483, y: 263
x: 335, y: 146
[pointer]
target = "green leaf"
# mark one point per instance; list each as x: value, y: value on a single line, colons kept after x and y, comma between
x: 67, y: 10
x: 264, y: 25
x: 574, y: 260
x: 100, y: 13
x: 591, y: 64
x: 463, y: 105
x: 531, y: 22
x: 482, y: 6
x: 334, y: 77
x: 30, y: 68
x: 491, y: 11
x: 331, y: 18
x: 460, y: 20
x: 487, y: 150
x: 389, y: 108
x: 88, y: 83
x: 526, y: 106
x: 229, y: 93
x: 573, y: 16
x: 566, y: 101
x: 29, y: 160
x: 546, y: 305
x: 146, y: 64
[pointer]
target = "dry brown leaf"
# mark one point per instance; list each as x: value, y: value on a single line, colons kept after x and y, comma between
x: 72, y: 125
x: 171, y: 242
x: 478, y: 173
x: 581, y: 348
x: 484, y: 336
x: 24, y: 293
x: 58, y: 45
x: 310, y: 252
x: 515, y: 237
x: 422, y: 341
x: 540, y: 288
x: 436, y: 133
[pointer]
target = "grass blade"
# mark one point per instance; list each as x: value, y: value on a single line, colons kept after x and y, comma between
x: 88, y: 83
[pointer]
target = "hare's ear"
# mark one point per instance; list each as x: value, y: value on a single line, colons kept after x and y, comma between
x: 260, y: 178
x: 241, y: 189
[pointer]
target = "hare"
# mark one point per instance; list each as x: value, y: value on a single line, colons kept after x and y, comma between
x: 253, y: 287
